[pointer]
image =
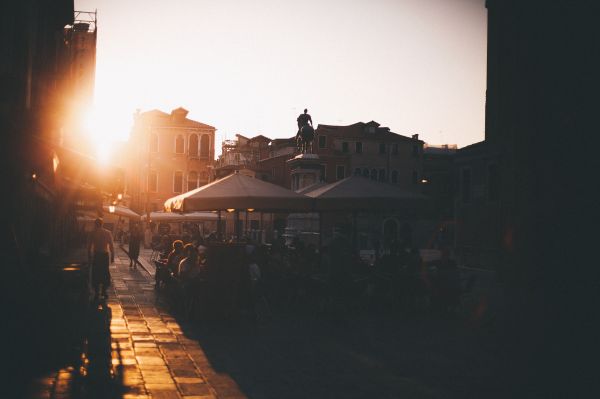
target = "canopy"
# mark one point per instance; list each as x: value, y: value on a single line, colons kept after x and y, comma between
x: 238, y: 191
x: 180, y: 217
x: 122, y: 211
x: 362, y: 194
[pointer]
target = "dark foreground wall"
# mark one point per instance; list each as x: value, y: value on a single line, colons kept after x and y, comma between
x: 539, y: 111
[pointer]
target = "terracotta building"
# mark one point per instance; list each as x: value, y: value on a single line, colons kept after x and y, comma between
x: 370, y: 150
x: 169, y: 154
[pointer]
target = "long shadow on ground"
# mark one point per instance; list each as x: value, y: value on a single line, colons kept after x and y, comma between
x: 365, y: 356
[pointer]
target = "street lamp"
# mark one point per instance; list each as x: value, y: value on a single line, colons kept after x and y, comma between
x: 111, y: 208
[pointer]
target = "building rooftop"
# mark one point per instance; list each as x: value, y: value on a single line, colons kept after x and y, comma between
x: 177, y: 117
x: 362, y: 130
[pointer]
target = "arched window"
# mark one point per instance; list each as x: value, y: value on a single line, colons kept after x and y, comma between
x: 357, y: 172
x: 153, y: 142
x: 381, y: 174
x: 394, y: 176
x: 365, y: 172
x: 205, y: 146
x: 193, y: 146
x: 179, y: 144
x: 192, y: 181
x: 178, y: 182
x: 373, y: 174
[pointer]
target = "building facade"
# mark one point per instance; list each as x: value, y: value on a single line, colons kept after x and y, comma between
x: 241, y: 153
x: 369, y: 150
x: 169, y: 155
x: 439, y: 178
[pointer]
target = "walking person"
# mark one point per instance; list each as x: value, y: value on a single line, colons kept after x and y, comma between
x: 100, y: 247
x: 135, y: 240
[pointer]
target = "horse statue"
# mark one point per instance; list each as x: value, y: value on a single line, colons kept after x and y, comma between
x: 306, y: 133
x: 304, y: 139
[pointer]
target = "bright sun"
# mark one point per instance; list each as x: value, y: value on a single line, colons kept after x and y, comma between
x: 104, y: 131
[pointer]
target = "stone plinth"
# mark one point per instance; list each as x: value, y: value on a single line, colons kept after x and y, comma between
x: 305, y: 170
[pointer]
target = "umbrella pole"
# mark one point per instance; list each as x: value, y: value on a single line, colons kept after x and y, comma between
x: 219, y: 225
x: 237, y: 225
x: 320, y: 238
x: 261, y: 227
x: 246, y: 223
x: 354, y: 232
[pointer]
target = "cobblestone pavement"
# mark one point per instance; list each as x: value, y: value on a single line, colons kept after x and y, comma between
x: 150, y: 357
x: 149, y: 353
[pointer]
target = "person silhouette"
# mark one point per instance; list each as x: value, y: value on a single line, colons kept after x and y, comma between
x: 304, y: 119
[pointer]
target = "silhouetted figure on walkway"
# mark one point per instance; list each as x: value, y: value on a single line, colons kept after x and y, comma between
x: 135, y: 240
x: 100, y: 247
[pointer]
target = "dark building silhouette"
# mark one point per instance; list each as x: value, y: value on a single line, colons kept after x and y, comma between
x: 531, y: 175
x: 438, y: 181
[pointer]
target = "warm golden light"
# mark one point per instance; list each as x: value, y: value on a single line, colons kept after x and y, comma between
x: 34, y: 176
x: 250, y: 209
x: 120, y: 196
x: 424, y: 181
x: 230, y: 210
x: 111, y: 208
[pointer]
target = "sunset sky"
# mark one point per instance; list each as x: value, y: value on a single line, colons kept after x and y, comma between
x: 250, y: 67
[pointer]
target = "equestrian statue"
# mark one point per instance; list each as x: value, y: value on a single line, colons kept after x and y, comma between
x: 306, y: 133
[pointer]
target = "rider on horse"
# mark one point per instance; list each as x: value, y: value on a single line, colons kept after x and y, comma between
x: 304, y: 119
x: 306, y: 133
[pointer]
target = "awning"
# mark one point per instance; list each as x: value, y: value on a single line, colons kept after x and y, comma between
x: 122, y: 211
x: 239, y: 192
x: 180, y: 217
x: 362, y: 194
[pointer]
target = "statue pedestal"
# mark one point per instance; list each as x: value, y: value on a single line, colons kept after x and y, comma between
x: 305, y: 170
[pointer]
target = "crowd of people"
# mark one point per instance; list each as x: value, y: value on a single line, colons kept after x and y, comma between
x: 299, y: 276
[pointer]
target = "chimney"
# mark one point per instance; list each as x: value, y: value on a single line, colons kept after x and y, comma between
x: 415, y: 136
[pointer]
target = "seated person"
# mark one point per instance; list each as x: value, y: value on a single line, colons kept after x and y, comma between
x: 189, y: 267
x: 175, y: 257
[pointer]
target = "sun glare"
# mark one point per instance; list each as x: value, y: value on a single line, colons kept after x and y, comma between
x: 102, y: 130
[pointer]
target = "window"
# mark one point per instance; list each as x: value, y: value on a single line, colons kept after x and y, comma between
x: 178, y: 182
x: 382, y: 148
x: 373, y: 174
x: 193, y: 145
x: 381, y: 174
x: 340, y: 172
x: 192, y: 182
x: 179, y: 144
x: 153, y: 181
x: 493, y: 182
x: 153, y: 142
x: 394, y: 176
x: 365, y: 172
x: 323, y: 172
x: 357, y: 172
x: 415, y: 178
x: 205, y: 146
x: 465, y: 187
x: 358, y: 147
x: 395, y: 149
x: 322, y: 141
x: 345, y: 147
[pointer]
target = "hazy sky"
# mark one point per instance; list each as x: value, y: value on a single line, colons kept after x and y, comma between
x: 250, y: 67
